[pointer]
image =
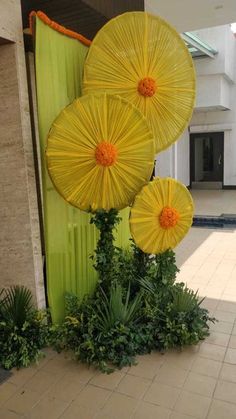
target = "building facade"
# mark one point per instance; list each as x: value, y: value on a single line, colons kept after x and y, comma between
x: 205, y: 155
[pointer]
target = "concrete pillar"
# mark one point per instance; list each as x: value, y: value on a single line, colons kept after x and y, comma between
x: 20, y: 245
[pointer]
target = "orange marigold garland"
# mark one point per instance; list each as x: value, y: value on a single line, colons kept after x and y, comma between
x: 59, y: 28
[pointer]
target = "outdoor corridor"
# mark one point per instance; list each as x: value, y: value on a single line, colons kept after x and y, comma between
x: 199, y: 382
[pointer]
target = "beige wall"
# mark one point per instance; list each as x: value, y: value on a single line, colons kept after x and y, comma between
x: 20, y: 246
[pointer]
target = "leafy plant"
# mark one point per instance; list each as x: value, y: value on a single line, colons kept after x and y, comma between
x: 105, y: 221
x: 178, y: 321
x: 114, y: 310
x: 100, y: 333
x: 16, y: 304
x: 185, y: 300
x: 163, y: 269
x: 138, y: 308
x: 23, y: 330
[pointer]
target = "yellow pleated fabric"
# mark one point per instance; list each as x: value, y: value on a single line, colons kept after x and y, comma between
x: 137, y: 52
x: 100, y: 152
x: 145, y: 217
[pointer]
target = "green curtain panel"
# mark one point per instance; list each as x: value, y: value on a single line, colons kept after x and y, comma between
x: 69, y: 238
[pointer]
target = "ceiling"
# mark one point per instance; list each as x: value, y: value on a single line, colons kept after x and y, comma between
x: 189, y: 15
x: 88, y: 16
x: 85, y: 17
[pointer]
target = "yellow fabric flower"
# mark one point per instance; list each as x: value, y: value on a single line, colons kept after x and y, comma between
x: 143, y: 59
x: 100, y: 152
x: 161, y: 215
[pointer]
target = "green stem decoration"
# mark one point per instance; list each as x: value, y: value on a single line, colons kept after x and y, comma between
x: 105, y: 221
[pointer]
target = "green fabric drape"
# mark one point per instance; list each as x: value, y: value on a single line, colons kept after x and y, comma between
x: 69, y: 237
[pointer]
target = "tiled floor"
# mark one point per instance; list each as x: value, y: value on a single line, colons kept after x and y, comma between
x: 199, y: 382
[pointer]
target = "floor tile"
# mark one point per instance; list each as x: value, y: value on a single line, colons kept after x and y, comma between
x: 162, y: 395
x: 200, y: 384
x: 193, y: 404
x: 177, y: 415
x: 171, y: 376
x: 181, y: 359
x: 225, y: 316
x: 149, y: 411
x: 227, y: 306
x: 210, y: 304
x: 146, y: 368
x: 217, y: 338
x: 221, y: 326
x: 230, y: 356
x: 228, y: 372
x: 80, y: 372
x: 119, y: 406
x: 59, y: 363
x: 92, y: 397
x: 7, y: 414
x: 206, y: 366
x: 7, y: 390
x: 22, y: 401
x: 41, y: 381
x: 21, y: 376
x: 109, y: 381
x: 65, y: 389
x: 48, y: 408
x: 75, y: 411
x: 222, y: 410
x: 214, y: 352
x: 133, y: 386
x: 226, y: 391
x: 234, y: 330
x: 232, y: 342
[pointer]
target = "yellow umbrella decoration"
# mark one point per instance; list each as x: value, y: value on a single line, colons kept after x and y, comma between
x: 161, y: 215
x: 100, y: 152
x: 143, y: 59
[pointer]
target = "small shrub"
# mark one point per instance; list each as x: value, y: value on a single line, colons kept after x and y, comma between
x: 114, y: 310
x: 104, y: 332
x: 23, y: 330
x: 136, y: 310
x: 16, y: 305
x: 180, y: 320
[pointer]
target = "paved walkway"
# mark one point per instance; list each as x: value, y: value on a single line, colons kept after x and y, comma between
x: 199, y: 382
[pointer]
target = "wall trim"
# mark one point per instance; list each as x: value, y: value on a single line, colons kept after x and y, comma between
x: 210, y: 128
x: 229, y: 187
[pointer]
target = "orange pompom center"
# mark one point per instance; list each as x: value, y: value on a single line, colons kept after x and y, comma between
x: 147, y: 87
x: 106, y: 154
x: 168, y: 217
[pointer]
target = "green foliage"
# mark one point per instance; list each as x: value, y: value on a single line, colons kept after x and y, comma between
x: 136, y: 307
x: 105, y: 221
x: 185, y: 300
x: 141, y: 261
x: 23, y: 330
x: 178, y: 320
x: 15, y: 305
x: 160, y: 277
x: 162, y: 269
x: 104, y: 332
x: 113, y: 310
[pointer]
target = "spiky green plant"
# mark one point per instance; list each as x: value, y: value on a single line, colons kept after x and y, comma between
x: 185, y: 300
x: 16, y: 304
x: 118, y: 309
